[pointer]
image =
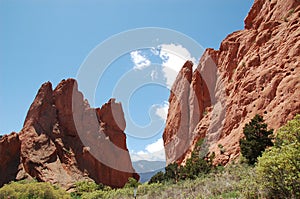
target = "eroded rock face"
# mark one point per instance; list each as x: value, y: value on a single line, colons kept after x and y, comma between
x: 177, y: 130
x: 64, y: 140
x: 255, y: 71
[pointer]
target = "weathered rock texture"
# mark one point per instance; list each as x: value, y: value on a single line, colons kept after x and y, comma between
x: 63, y: 140
x: 255, y: 71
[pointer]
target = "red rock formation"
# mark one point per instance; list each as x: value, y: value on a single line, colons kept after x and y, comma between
x: 10, y: 157
x: 256, y: 72
x: 175, y: 136
x: 63, y: 140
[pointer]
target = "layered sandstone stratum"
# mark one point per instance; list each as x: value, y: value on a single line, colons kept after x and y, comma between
x: 64, y: 140
x: 255, y: 71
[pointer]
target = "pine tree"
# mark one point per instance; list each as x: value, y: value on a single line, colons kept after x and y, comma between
x: 256, y: 139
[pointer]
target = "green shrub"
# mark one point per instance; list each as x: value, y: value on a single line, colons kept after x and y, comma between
x: 256, y: 139
x: 279, y: 167
x: 132, y: 183
x: 33, y: 190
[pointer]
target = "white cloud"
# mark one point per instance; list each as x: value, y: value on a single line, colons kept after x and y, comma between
x: 157, y: 156
x: 152, y: 152
x: 140, y: 61
x: 141, y: 153
x: 156, y: 146
x: 162, y: 110
x: 173, y: 56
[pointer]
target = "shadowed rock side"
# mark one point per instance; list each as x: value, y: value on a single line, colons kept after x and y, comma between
x: 10, y: 157
x: 255, y: 71
x: 63, y: 140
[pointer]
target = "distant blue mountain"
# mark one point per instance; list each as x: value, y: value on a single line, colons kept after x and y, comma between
x: 146, y: 169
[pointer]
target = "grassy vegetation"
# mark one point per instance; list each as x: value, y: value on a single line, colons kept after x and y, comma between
x: 225, y: 183
x: 275, y: 175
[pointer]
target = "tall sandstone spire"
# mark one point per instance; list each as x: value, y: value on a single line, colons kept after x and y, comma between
x: 63, y: 141
x: 255, y: 71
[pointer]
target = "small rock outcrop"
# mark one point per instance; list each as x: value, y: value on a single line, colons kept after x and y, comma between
x: 255, y: 71
x: 64, y: 140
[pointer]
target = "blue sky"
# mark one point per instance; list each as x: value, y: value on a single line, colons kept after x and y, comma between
x: 49, y: 40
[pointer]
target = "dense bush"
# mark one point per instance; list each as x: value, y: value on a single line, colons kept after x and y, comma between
x: 279, y: 167
x: 172, y: 172
x: 33, y: 190
x: 256, y: 139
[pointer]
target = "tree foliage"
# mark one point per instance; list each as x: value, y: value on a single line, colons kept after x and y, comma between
x: 196, y: 165
x: 172, y: 172
x: 279, y: 167
x: 158, y: 177
x: 256, y: 139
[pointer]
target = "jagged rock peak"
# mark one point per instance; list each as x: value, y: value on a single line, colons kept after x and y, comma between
x: 63, y: 140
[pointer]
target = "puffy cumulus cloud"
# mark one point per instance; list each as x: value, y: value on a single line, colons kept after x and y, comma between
x: 156, y: 146
x: 153, y: 152
x: 162, y: 110
x: 140, y: 61
x: 173, y: 57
